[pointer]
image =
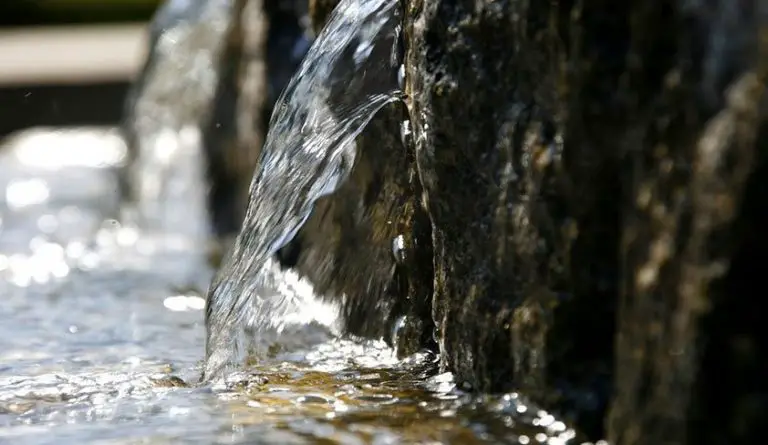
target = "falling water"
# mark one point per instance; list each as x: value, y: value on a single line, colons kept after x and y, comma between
x: 166, y: 109
x: 349, y: 73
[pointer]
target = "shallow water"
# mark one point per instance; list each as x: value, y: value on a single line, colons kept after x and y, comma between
x: 102, y: 335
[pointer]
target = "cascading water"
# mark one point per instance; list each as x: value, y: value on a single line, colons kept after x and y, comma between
x: 166, y: 109
x: 349, y: 73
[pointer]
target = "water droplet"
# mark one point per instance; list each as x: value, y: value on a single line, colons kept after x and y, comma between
x: 396, y: 328
x: 436, y: 335
x: 405, y: 133
x: 398, y: 248
x: 401, y: 76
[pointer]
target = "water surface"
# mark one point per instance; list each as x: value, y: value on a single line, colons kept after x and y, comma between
x: 102, y: 335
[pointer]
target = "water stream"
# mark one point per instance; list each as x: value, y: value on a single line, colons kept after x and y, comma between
x: 167, y: 110
x: 348, y: 74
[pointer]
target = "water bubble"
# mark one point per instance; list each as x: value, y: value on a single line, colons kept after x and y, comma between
x: 436, y: 334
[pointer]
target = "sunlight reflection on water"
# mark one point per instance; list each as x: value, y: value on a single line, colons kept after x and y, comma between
x: 102, y: 338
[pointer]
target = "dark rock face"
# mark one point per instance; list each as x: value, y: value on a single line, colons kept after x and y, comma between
x: 319, y: 10
x: 517, y: 194
x: 591, y: 174
x: 233, y: 140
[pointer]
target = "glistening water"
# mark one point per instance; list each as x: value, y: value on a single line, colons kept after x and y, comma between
x: 167, y: 107
x: 103, y: 336
x: 348, y: 74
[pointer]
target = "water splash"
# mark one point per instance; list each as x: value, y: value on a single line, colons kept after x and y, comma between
x: 102, y: 354
x: 349, y: 73
x: 166, y: 109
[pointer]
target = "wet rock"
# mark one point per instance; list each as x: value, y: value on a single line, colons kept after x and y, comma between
x: 346, y: 247
x: 513, y: 203
x: 215, y: 67
x: 233, y: 140
x: 170, y: 381
x: 319, y: 10
x: 591, y: 175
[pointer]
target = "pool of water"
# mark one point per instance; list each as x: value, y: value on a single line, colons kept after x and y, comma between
x: 102, y: 334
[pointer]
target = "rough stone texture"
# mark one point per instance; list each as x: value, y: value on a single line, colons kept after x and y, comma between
x: 319, y: 10
x: 584, y: 167
x: 684, y: 313
x: 512, y: 211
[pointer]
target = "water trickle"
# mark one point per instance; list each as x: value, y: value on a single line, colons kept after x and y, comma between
x: 166, y: 109
x: 397, y: 329
x: 406, y: 133
x: 349, y: 73
x: 398, y: 248
x: 401, y: 76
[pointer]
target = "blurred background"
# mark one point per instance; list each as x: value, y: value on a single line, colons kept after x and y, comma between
x: 68, y: 62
